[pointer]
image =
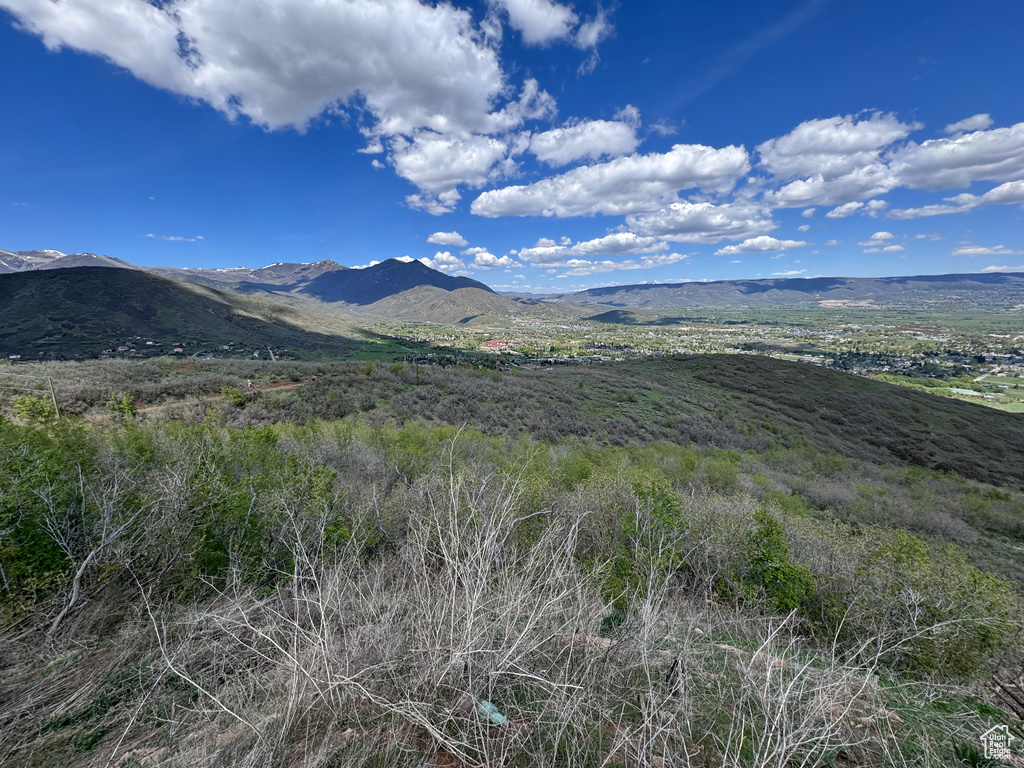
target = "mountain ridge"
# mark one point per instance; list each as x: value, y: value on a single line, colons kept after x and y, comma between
x: 81, y: 312
x: 363, y: 289
x: 997, y: 288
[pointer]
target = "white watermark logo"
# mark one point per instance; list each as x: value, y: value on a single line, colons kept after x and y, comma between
x: 996, y: 742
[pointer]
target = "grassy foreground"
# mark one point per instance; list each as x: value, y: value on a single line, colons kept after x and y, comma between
x: 424, y: 576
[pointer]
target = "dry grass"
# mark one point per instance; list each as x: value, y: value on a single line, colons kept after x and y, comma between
x: 460, y: 623
x: 474, y: 645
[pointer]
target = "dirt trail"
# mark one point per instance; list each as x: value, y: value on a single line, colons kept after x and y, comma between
x: 216, y: 398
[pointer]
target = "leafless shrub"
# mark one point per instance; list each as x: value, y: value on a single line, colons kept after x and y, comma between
x: 475, y: 645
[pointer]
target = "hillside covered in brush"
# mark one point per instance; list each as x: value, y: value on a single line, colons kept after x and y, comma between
x: 703, y: 561
x: 80, y: 312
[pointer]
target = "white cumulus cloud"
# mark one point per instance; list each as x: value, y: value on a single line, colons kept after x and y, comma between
x: 592, y: 32
x: 760, y: 244
x: 870, y: 180
x: 831, y: 147
x: 625, y: 185
x: 843, y: 161
x: 583, y: 267
x: 874, y: 207
x: 486, y: 260
x: 871, y: 208
x: 996, y: 155
x: 975, y: 123
x: 444, y: 261
x: 175, y: 238
x: 546, y: 251
x: 876, y: 241
x: 1010, y: 193
x: 833, y: 161
x: 539, y: 21
x: 448, y: 238
x: 419, y: 77
x: 592, y: 139
x: 438, y: 164
x: 284, y: 62
x: 686, y: 222
x: 978, y: 250
x: 844, y: 210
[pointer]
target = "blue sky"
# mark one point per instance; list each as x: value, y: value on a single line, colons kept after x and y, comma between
x: 531, y: 144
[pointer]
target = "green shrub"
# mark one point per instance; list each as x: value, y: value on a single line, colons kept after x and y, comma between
x: 123, y: 404
x: 931, y: 609
x: 33, y: 410
x: 234, y: 396
x: 784, y: 584
x: 574, y: 469
x: 721, y: 474
x: 790, y: 503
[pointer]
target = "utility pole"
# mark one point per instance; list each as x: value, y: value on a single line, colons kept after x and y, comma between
x: 53, y: 396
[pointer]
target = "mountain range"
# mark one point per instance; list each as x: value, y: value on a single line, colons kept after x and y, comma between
x: 394, y: 288
x: 57, y: 304
x: 327, y: 280
x: 86, y: 311
x: 30, y: 261
x: 965, y: 291
x: 323, y: 280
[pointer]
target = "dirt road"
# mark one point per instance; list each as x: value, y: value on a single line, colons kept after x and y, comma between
x: 216, y: 398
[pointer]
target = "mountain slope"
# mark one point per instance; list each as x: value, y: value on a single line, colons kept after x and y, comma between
x: 330, y: 282
x: 287, y: 275
x: 27, y: 261
x: 855, y: 416
x: 427, y: 303
x: 83, y: 310
x: 963, y: 290
x: 85, y: 260
x: 622, y: 317
x: 391, y: 277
